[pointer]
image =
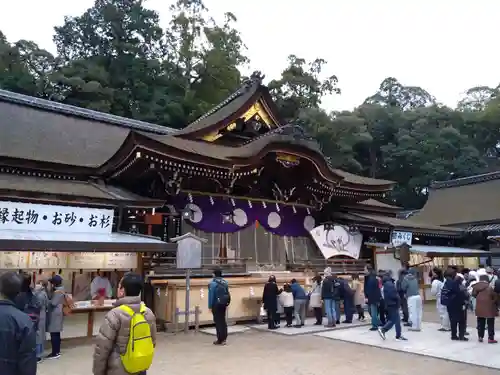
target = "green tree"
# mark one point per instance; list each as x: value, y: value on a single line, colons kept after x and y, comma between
x: 392, y: 93
x: 301, y: 86
x: 111, y: 60
x: 203, y: 57
x: 25, y: 68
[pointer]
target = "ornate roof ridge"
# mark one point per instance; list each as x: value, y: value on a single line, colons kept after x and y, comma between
x: 88, y: 114
x: 469, y: 180
x: 253, y: 82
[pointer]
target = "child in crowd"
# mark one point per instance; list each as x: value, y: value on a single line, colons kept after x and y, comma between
x: 359, y: 298
x: 286, y: 300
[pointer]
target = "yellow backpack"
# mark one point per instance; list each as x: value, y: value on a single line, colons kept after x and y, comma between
x: 140, y: 348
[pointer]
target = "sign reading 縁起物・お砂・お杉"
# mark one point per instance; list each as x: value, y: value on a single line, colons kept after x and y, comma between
x: 53, y: 218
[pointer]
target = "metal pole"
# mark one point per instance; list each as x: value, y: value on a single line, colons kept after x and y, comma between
x: 186, y: 307
x: 197, y: 319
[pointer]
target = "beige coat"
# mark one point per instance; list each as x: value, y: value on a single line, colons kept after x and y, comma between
x: 359, y: 298
x: 113, y: 337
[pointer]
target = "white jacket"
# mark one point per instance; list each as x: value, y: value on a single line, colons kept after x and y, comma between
x: 286, y: 299
x: 315, y: 296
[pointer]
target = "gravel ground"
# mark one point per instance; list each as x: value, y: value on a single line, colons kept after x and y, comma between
x: 265, y: 353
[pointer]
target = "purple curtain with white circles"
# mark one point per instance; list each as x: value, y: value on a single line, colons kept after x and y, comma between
x: 283, y: 220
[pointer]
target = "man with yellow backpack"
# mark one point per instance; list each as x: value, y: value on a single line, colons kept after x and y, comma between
x: 126, y: 340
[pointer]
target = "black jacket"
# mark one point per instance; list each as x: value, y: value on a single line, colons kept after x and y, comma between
x: 330, y: 288
x: 270, y: 296
x: 18, y: 341
x: 391, y: 295
x: 372, y: 289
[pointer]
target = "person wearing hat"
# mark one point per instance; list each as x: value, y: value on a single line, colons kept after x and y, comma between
x: 55, y: 315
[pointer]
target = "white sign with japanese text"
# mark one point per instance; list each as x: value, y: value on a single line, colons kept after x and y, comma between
x: 400, y: 238
x: 46, y: 217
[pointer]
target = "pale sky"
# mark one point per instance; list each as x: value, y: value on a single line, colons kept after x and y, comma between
x: 444, y: 46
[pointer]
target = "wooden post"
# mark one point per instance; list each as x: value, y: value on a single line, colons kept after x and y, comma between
x: 196, y: 319
x: 176, y: 319
x: 90, y: 323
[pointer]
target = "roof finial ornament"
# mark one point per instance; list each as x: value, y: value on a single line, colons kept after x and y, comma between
x: 257, y: 76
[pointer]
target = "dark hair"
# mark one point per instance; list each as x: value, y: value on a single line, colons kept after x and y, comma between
x: 317, y: 279
x: 355, y: 276
x: 287, y: 288
x: 293, y: 281
x: 465, y: 270
x: 132, y: 284
x: 480, y: 265
x: 10, y: 285
x: 272, y: 279
x: 438, y: 272
x: 217, y: 272
x: 26, y: 282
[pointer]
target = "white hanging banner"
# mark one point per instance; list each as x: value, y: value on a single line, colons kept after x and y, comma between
x: 52, y: 218
x: 337, y: 241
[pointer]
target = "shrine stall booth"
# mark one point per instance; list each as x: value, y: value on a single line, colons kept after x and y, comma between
x: 388, y: 256
x: 77, y: 243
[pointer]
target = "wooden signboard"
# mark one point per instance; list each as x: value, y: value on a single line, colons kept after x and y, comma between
x: 120, y: 261
x: 85, y: 261
x: 47, y: 260
x: 13, y: 260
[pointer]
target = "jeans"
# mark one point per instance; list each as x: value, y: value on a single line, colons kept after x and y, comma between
x: 382, y: 312
x: 373, y: 310
x: 39, y: 350
x: 394, y: 319
x: 331, y: 313
x: 415, y: 310
x: 219, y: 314
x: 481, y: 325
x: 337, y: 310
x: 404, y: 309
x: 457, y: 320
x: 348, y: 309
x: 55, y: 341
x: 300, y: 311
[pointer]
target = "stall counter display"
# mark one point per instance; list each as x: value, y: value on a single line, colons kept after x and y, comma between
x: 51, y: 260
x: 75, y: 323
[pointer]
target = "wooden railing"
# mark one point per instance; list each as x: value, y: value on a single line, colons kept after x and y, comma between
x: 338, y: 266
x: 167, y: 266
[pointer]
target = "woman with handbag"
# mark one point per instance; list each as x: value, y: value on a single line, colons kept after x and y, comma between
x: 315, y: 300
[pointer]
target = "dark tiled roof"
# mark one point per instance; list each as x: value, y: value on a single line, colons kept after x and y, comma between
x: 376, y: 203
x: 357, y: 179
x: 410, y: 224
x: 466, y: 180
x: 83, y: 113
x: 228, y: 107
x: 40, y: 185
x: 233, y: 154
x: 462, y: 204
x: 34, y: 134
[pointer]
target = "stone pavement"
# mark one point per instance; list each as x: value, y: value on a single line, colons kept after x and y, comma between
x: 428, y: 342
x: 308, y: 328
x: 255, y: 352
x: 260, y: 353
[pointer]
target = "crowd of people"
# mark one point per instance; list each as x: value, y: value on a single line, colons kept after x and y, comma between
x: 390, y: 301
x: 124, y: 345
x: 326, y: 295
